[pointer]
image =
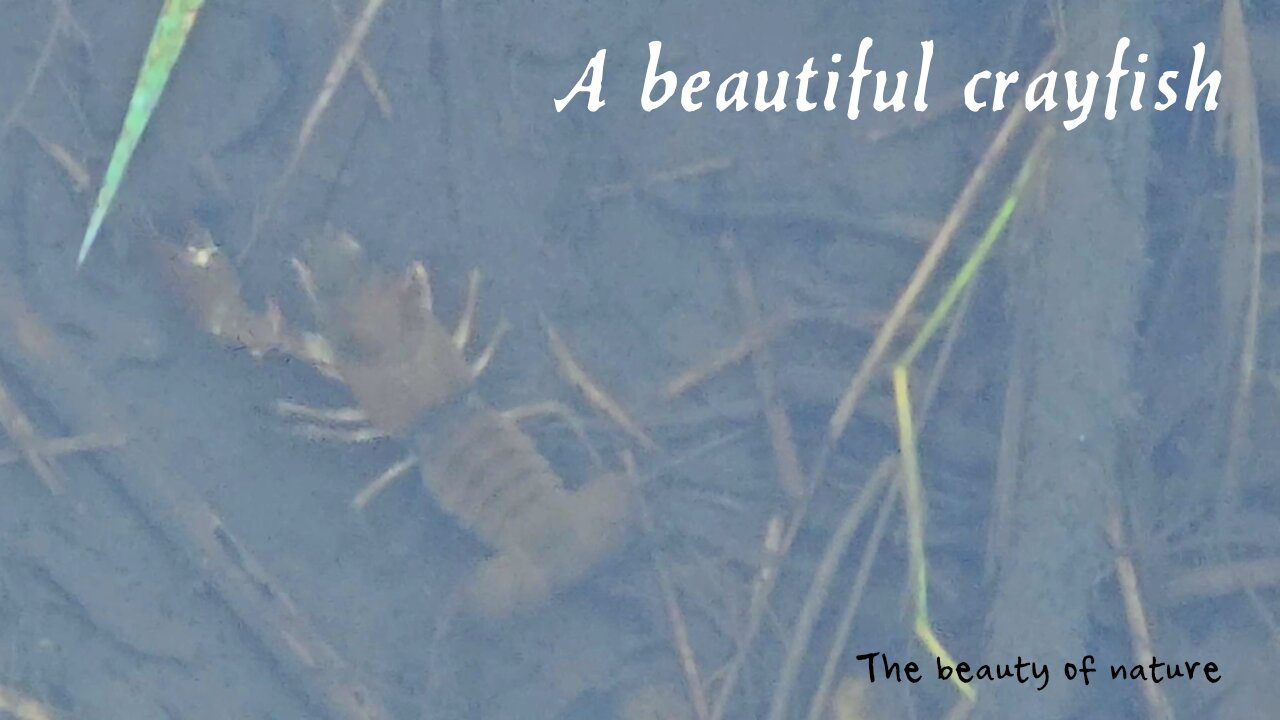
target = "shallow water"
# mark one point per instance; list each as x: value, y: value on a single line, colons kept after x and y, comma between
x: 609, y: 226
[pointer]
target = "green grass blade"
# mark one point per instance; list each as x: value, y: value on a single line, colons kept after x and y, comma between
x: 176, y: 19
x: 979, y: 255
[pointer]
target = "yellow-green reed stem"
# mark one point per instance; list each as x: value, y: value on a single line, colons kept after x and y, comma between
x: 912, y: 484
x: 170, y: 34
x: 979, y: 255
x: 913, y: 502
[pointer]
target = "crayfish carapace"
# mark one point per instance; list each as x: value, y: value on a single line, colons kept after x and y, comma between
x: 411, y: 380
x: 409, y: 376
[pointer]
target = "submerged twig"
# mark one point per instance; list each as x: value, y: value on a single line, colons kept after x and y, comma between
x: 1238, y: 132
x: 22, y: 432
x: 74, y: 170
x: 60, y: 14
x: 778, y: 536
x: 365, y: 68
x: 1011, y: 424
x: 575, y: 375
x: 766, y: 331
x: 844, y: 629
x: 815, y: 599
x: 671, y: 603
x: 66, y: 446
x: 342, y: 61
x: 1158, y: 707
x: 790, y: 476
x: 682, y: 173
x: 736, y: 353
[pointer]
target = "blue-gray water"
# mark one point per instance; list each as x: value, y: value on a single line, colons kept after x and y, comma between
x: 1104, y: 305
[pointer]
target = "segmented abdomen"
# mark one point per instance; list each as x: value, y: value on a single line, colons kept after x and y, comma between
x: 411, y: 380
x: 487, y: 473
